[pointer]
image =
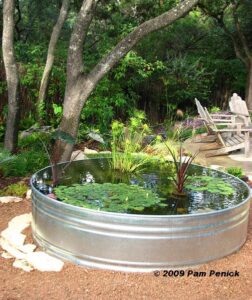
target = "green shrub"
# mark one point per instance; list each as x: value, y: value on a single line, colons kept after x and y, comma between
x: 215, y: 109
x: 235, y: 171
x: 161, y: 147
x: 189, y: 133
x: 33, y: 141
x: 5, y: 156
x: 17, y: 189
x: 25, y: 163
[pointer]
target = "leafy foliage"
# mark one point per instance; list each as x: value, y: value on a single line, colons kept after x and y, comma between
x: 126, y: 141
x: 33, y: 141
x: 210, y: 184
x: 236, y: 171
x: 164, y: 72
x: 5, y: 157
x: 23, y: 164
x: 120, y: 197
x: 17, y: 189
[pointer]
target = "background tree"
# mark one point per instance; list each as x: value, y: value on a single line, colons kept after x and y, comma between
x: 234, y: 17
x: 50, y: 56
x: 79, y: 84
x: 12, y: 78
x: 163, y: 72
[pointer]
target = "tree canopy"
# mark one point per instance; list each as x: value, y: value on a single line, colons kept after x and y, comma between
x: 206, y: 54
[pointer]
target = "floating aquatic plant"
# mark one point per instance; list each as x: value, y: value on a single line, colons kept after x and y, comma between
x: 109, y: 197
x: 210, y: 184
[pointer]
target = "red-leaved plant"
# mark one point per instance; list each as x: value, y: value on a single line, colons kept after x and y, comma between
x: 182, y: 163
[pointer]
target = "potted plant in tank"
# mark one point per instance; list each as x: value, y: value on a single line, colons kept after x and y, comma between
x: 182, y: 164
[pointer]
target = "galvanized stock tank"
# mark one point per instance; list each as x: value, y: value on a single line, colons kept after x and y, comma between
x: 138, y: 243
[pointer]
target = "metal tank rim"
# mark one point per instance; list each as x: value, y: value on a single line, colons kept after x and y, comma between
x: 136, y: 242
x: 70, y: 206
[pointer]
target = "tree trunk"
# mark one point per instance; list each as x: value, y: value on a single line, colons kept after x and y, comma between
x: 73, y: 104
x: 50, y: 57
x: 11, y: 70
x: 249, y: 87
x: 80, y: 85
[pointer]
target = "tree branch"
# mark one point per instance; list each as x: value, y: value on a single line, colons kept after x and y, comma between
x: 75, y: 51
x: 50, y: 54
x: 219, y: 18
x: 124, y: 46
x: 234, y: 40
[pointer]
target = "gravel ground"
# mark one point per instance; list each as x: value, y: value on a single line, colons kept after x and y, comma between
x: 78, y: 283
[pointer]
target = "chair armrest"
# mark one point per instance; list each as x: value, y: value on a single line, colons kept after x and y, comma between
x: 221, y: 115
x: 223, y: 121
x: 242, y: 115
x: 233, y: 124
x: 233, y: 130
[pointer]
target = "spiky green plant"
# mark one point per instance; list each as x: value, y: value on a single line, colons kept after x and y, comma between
x: 126, y: 142
x: 182, y: 165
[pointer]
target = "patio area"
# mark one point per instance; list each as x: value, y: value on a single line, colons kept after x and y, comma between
x: 236, y: 159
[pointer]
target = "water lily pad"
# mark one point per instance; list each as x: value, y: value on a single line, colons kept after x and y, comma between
x: 210, y: 184
x: 109, y: 197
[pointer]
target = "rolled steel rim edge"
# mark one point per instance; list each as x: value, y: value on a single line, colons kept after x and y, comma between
x: 105, y: 213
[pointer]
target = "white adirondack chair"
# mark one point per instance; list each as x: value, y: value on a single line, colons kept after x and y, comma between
x: 229, y: 120
x: 220, y: 118
x: 239, y: 108
x: 239, y: 138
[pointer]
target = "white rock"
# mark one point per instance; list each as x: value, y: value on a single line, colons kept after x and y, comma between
x: 105, y: 152
x: 22, y: 264
x: 6, y: 255
x: 27, y: 248
x: 11, y: 250
x: 21, y: 222
x: 28, y: 194
x: 18, y: 227
x: 78, y: 155
x: 89, y: 151
x: 9, y: 199
x: 44, y: 262
x: 13, y: 237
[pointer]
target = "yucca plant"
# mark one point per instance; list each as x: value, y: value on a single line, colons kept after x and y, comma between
x: 182, y: 165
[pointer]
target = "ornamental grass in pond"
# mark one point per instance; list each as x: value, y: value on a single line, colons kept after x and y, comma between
x: 126, y: 141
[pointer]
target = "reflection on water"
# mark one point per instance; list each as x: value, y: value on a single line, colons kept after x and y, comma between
x: 154, y: 178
